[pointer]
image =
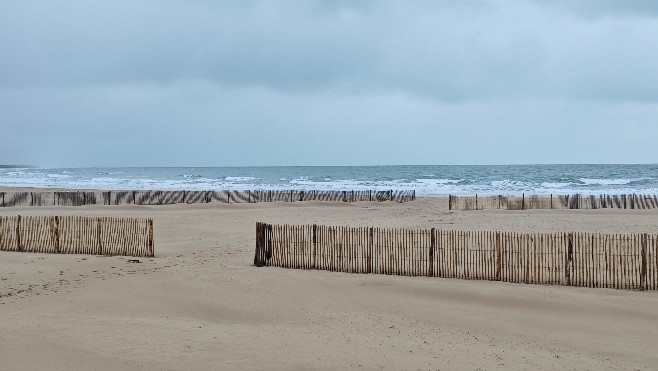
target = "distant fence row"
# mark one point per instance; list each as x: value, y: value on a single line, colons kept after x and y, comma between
x: 77, y: 235
x: 571, y: 259
x: 575, y: 201
x: 81, y: 198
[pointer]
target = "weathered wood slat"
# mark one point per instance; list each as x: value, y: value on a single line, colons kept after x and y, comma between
x: 575, y: 201
x: 574, y: 259
x: 77, y: 235
x: 160, y: 197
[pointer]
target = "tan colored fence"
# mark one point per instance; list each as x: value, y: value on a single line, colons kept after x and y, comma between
x: 576, y: 201
x: 77, y: 235
x: 572, y: 259
x: 150, y: 197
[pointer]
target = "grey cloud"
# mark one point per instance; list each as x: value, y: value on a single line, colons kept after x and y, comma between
x: 297, y: 82
x: 261, y: 44
x: 596, y: 9
x: 199, y: 124
x: 471, y: 51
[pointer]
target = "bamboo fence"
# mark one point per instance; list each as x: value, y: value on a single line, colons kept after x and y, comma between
x: 571, y: 259
x: 575, y: 201
x: 151, y: 197
x: 77, y: 235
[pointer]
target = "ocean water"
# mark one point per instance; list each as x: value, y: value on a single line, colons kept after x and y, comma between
x: 427, y: 180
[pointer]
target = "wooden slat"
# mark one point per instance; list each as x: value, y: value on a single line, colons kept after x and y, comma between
x: 77, y: 235
x: 597, y: 260
x: 575, y: 201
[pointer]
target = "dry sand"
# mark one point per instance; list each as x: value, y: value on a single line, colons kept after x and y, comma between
x: 201, y: 304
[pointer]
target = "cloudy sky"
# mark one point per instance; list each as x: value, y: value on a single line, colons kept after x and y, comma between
x: 208, y: 83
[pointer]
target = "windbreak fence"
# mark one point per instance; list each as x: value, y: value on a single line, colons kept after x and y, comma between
x: 152, y: 197
x: 571, y: 259
x: 77, y: 235
x: 575, y: 201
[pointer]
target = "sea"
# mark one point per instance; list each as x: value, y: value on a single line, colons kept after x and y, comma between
x: 426, y: 180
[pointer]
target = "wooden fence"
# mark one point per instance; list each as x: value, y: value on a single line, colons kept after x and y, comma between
x: 81, y: 198
x: 576, y: 201
x: 571, y: 259
x: 77, y: 235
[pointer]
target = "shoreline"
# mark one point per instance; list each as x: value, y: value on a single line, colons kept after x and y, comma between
x: 421, y: 196
x: 427, y: 181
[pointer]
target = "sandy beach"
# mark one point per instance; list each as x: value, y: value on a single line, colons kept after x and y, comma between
x: 212, y: 120
x: 201, y: 304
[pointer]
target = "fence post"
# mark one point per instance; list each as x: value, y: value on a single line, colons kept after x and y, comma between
x: 268, y: 243
x: 315, y: 246
x: 568, y: 258
x: 430, y: 271
x: 259, y: 245
x: 99, y: 231
x: 371, y: 243
x: 257, y: 252
x: 522, y: 201
x: 476, y: 201
x: 18, y: 234
x: 56, y: 231
x: 499, y: 261
x: 263, y: 244
x: 449, y: 202
x: 643, y: 272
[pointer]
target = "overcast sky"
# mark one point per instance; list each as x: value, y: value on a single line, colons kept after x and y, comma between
x: 208, y: 83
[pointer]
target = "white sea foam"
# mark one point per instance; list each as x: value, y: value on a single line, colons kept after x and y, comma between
x: 605, y: 181
x: 239, y: 178
x: 306, y: 183
x: 452, y: 180
x: 439, y: 182
x: 510, y: 184
x: 555, y: 185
